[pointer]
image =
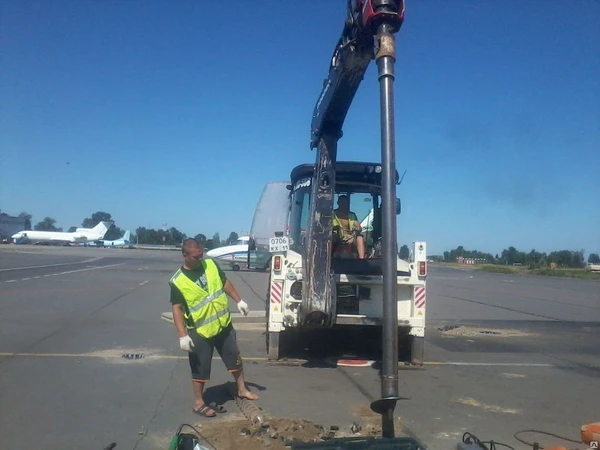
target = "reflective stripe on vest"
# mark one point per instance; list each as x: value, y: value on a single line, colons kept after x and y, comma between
x: 209, y: 310
x: 337, y: 225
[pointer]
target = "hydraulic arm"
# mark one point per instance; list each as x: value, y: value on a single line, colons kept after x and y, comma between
x: 368, y: 34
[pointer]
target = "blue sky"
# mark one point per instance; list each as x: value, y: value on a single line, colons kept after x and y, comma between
x: 179, y: 112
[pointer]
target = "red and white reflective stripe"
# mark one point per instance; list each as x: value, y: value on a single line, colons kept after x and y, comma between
x: 276, y: 289
x: 420, y: 297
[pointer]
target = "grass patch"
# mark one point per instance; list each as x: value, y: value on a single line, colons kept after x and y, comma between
x: 500, y: 269
x: 566, y: 273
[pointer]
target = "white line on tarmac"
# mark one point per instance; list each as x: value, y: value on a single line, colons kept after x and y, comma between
x: 263, y: 358
x: 487, y: 364
x: 50, y: 265
x: 143, y: 283
x: 91, y: 268
x: 70, y: 271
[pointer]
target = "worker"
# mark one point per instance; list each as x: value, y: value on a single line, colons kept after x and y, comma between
x: 347, y: 237
x: 203, y: 321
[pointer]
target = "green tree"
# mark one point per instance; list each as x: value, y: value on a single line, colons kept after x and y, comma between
x: 113, y: 232
x: 216, y: 240
x: 460, y: 251
x: 594, y: 258
x: 233, y: 236
x: 95, y: 219
x: 172, y: 236
x: 46, y: 225
x: 72, y: 229
x: 200, y: 238
x: 404, y: 252
x: 27, y: 218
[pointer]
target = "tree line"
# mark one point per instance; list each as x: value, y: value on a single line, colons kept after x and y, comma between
x: 142, y: 235
x: 533, y: 259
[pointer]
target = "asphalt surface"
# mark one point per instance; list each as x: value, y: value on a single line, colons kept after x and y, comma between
x: 504, y: 353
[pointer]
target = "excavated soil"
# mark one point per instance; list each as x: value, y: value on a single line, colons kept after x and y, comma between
x: 275, y: 434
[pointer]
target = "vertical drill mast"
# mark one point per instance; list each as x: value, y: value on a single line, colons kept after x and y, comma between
x: 368, y: 34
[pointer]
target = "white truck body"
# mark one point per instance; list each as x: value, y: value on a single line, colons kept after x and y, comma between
x: 282, y: 217
x: 286, y: 270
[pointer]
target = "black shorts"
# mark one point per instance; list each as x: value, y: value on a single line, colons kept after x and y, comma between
x: 201, y: 357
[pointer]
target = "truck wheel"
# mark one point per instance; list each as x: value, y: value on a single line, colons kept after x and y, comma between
x: 273, y: 347
x: 417, y: 350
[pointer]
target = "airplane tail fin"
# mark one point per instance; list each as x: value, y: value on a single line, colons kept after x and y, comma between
x: 127, y: 236
x: 101, y: 228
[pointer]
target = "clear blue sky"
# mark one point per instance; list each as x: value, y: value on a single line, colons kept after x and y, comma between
x: 179, y: 111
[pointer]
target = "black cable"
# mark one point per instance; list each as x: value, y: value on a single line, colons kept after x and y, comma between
x: 197, y: 432
x: 493, y: 445
x: 542, y: 432
x: 470, y: 438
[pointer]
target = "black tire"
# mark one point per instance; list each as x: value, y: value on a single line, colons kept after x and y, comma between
x: 417, y: 350
x: 235, y: 267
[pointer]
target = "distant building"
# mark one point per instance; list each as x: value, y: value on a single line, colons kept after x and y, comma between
x: 10, y: 225
x: 462, y: 260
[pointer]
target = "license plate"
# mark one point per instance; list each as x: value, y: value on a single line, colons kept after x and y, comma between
x: 279, y: 244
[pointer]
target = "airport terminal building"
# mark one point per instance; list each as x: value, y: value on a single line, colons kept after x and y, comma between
x: 10, y: 225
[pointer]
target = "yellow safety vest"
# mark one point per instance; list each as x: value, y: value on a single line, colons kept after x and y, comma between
x: 337, y: 225
x: 208, y: 310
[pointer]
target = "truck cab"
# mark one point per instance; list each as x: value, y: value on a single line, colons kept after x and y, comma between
x: 357, y: 283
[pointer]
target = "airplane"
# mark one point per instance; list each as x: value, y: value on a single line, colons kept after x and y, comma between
x: 121, y: 242
x: 236, y: 252
x: 80, y: 235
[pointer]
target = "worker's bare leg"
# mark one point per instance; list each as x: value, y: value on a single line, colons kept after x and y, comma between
x: 242, y: 390
x: 199, y: 396
x: 360, y: 246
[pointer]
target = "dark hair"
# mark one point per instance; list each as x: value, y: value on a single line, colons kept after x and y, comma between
x: 189, y: 244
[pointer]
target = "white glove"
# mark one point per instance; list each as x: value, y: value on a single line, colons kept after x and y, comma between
x: 243, y: 307
x: 186, y: 343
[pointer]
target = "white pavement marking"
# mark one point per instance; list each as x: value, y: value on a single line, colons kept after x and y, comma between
x: 50, y: 265
x: 71, y: 271
x: 489, y: 364
x: 143, y: 283
x: 91, y: 268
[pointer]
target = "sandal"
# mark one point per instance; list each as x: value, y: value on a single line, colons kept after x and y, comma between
x: 205, y: 411
x: 218, y: 408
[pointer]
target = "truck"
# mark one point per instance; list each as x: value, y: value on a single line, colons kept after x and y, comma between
x: 309, y: 287
x: 357, y: 295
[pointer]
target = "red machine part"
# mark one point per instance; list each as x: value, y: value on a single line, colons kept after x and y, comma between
x: 373, y: 12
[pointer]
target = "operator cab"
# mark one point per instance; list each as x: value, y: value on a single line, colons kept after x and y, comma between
x: 360, y: 182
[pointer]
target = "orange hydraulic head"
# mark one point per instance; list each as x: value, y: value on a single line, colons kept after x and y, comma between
x: 590, y: 432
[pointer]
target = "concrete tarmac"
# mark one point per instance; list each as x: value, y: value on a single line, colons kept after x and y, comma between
x: 504, y: 353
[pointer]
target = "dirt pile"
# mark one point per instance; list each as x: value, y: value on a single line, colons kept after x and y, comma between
x: 276, y: 434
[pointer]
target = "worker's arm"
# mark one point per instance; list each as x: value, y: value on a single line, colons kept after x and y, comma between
x: 178, y: 319
x: 241, y: 304
x: 232, y: 292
